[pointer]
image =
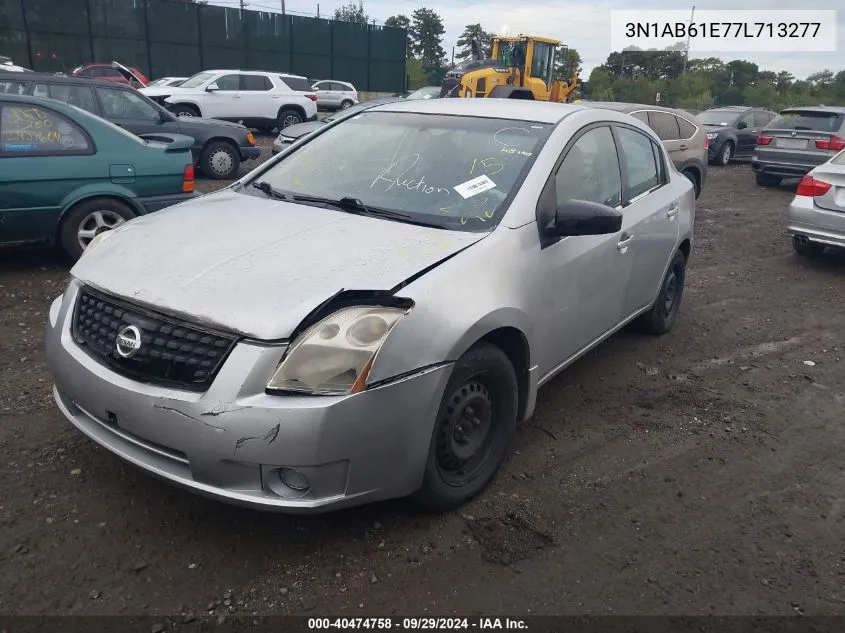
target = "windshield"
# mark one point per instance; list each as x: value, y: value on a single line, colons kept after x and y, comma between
x: 723, y: 118
x: 428, y: 92
x: 807, y: 120
x: 451, y: 171
x: 197, y: 80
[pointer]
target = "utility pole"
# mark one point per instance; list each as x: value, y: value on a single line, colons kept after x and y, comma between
x: 283, y: 7
x: 686, y: 52
x: 243, y: 5
x: 453, y: 56
x: 318, y: 10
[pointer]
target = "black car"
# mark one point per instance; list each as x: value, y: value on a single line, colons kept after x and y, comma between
x: 732, y: 131
x: 219, y: 146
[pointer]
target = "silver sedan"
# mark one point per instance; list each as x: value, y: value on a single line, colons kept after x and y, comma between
x: 343, y: 327
x: 817, y: 212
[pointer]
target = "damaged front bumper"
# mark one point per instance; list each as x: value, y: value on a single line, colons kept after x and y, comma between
x: 238, y: 444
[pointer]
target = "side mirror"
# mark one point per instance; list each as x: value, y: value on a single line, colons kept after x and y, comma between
x: 580, y: 217
x: 163, y: 117
x: 741, y: 125
x: 212, y: 87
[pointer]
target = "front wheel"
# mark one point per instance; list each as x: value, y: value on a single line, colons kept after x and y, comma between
x: 346, y: 104
x: 185, y: 111
x: 663, y: 314
x: 473, y: 429
x: 220, y: 161
x: 727, y: 153
x: 87, y: 220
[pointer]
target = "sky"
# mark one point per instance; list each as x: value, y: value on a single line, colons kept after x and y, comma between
x: 580, y: 24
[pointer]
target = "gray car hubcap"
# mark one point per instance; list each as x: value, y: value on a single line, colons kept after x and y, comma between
x: 726, y: 154
x: 185, y: 114
x: 290, y: 119
x: 95, y: 223
x: 221, y: 161
x: 345, y: 104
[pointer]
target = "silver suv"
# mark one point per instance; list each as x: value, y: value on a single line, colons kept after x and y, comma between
x: 796, y: 142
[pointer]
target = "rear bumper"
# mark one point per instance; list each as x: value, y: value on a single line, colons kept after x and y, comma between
x: 784, y: 170
x: 250, y: 153
x: 151, y: 204
x: 817, y: 225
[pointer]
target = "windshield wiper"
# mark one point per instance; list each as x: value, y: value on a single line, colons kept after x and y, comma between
x: 355, y: 206
x: 268, y: 190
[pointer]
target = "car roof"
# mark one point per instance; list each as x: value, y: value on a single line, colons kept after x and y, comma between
x: 55, y: 104
x: 630, y: 107
x: 251, y: 70
x: 816, y: 108
x: 59, y: 77
x: 520, y: 109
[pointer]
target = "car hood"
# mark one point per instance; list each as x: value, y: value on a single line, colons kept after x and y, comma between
x: 187, y: 124
x: 258, y: 266
x: 301, y: 129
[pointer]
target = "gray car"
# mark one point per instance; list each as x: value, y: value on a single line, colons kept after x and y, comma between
x: 817, y: 213
x: 682, y: 135
x: 293, y: 133
x: 797, y: 141
x: 342, y: 327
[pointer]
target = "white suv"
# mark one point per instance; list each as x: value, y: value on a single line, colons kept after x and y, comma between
x: 258, y: 99
x: 335, y: 95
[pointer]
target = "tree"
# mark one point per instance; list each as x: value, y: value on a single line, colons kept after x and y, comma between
x: 473, y: 32
x: 402, y: 22
x: 567, y: 63
x: 821, y: 79
x: 427, y: 37
x: 352, y: 12
x: 784, y: 81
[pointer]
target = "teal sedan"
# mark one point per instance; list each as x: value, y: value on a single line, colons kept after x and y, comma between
x: 67, y: 175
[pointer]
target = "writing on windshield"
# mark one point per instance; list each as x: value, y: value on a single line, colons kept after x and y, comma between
x: 454, y: 171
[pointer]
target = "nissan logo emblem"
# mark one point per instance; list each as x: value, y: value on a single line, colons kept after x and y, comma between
x: 128, y: 341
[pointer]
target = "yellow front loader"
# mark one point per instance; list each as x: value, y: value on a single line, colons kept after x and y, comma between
x: 518, y: 68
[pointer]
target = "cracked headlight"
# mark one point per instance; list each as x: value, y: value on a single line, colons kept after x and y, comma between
x: 334, y: 356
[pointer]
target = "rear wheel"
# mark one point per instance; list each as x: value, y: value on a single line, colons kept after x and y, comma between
x: 694, y: 180
x: 288, y: 117
x: 220, y: 161
x: 767, y: 180
x: 663, y: 314
x: 345, y: 104
x: 473, y: 428
x: 87, y: 220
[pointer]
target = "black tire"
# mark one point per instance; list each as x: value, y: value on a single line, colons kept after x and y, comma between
x: 767, y: 180
x: 83, y: 219
x: 694, y: 180
x: 289, y: 116
x: 182, y: 109
x: 726, y: 154
x: 482, y: 398
x: 220, y: 160
x: 808, y: 249
x: 662, y: 316
x: 346, y: 103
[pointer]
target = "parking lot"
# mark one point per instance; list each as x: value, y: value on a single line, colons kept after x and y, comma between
x: 698, y: 473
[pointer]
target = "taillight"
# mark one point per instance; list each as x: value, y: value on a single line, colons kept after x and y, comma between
x: 188, y: 179
x: 312, y: 97
x: 764, y: 140
x: 811, y: 187
x: 706, y: 142
x: 835, y: 143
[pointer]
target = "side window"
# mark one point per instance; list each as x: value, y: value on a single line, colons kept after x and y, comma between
x: 761, y: 120
x: 339, y: 87
x: 33, y: 130
x: 124, y: 104
x: 641, y: 163
x: 748, y: 119
x: 687, y: 129
x: 642, y: 116
x: 255, y: 83
x: 229, y: 82
x: 590, y: 170
x: 665, y: 124
x: 12, y: 87
x: 323, y: 85
x: 79, y: 96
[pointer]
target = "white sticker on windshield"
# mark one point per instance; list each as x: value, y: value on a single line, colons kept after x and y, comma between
x: 475, y: 186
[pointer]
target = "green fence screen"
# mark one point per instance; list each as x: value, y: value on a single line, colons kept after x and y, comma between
x: 176, y: 38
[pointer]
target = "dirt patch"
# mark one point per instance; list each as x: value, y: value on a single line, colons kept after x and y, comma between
x: 509, y: 539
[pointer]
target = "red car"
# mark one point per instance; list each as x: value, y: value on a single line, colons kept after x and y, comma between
x: 108, y: 72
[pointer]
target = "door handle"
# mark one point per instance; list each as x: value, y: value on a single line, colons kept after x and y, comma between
x: 626, y: 240
x: 673, y: 210
x: 684, y: 147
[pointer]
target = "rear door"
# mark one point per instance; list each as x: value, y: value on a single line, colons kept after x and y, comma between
x: 807, y: 137
x: 256, y: 97
x: 668, y: 131
x: 78, y: 95
x: 44, y: 157
x: 651, y: 202
x: 325, y: 94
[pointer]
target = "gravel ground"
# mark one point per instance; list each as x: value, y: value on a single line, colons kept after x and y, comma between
x: 697, y: 473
